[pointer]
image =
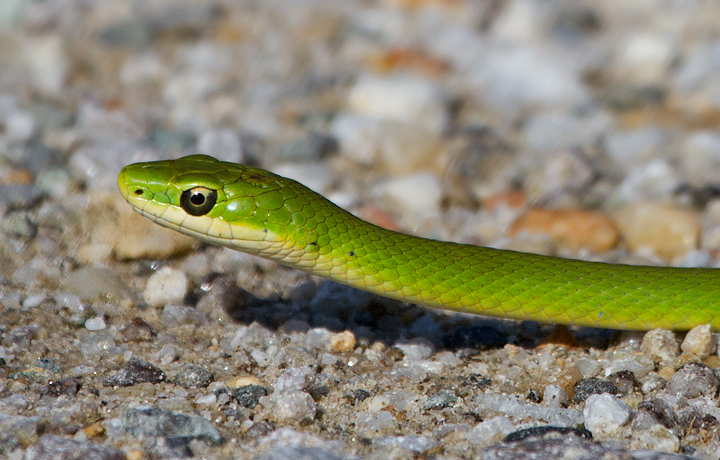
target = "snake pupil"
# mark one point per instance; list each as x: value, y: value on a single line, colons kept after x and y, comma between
x: 198, y: 201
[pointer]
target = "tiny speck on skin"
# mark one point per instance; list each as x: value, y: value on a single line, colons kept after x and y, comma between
x: 351, y: 253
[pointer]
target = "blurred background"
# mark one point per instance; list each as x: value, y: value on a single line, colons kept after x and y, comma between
x: 400, y: 110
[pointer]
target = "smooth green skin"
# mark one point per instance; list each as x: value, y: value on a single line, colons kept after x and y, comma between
x: 279, y: 219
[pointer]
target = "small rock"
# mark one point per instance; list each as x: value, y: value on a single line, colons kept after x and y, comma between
x: 406, y: 99
x: 17, y: 431
x: 176, y: 316
x: 417, y: 349
x: 701, y: 157
x: 604, y: 414
x: 51, y: 447
x: 699, y: 341
x: 555, y: 396
x: 249, y: 395
x: 656, y: 438
x: 490, y: 431
x: 654, y: 181
x: 19, y: 196
x: 288, y: 406
x: 166, y: 286
x: 47, y: 62
x: 406, y: 149
x: 645, y: 58
x: 194, y: 377
x: 656, y: 410
x: 294, y: 379
x: 298, y: 453
x: 693, y: 380
x: 660, y: 343
x: 440, y: 401
x: 629, y: 148
x: 134, y: 372
x: 153, y: 422
x: 375, y: 424
x: 137, y: 330
x: 418, y: 192
x: 414, y: 443
x: 18, y: 225
x: 91, y: 283
x: 569, y: 228
x: 589, y: 387
x: 318, y: 338
x: 95, y: 324
x: 625, y: 381
x: 342, y: 342
x: 668, y: 231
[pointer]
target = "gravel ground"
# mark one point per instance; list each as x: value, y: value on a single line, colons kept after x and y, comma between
x: 572, y: 128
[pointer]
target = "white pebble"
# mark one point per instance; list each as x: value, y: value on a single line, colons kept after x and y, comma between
x: 555, y: 396
x: 660, y: 343
x: 20, y: 127
x: 490, y: 431
x: 166, y: 286
x: 605, y: 414
x: 207, y: 399
x: 407, y: 99
x: 416, y: 192
x: 699, y: 341
x: 33, y: 301
x: 95, y: 324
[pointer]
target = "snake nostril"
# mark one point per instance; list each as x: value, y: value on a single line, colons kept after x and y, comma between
x: 138, y: 192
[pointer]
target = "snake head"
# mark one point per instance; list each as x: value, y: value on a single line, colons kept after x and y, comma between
x: 221, y: 203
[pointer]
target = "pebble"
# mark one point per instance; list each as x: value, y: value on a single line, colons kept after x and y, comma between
x: 166, y: 286
x: 653, y: 181
x: 134, y: 372
x: 552, y: 131
x: 404, y: 149
x: 20, y: 196
x: 289, y: 406
x: 406, y: 99
x: 18, y: 225
x: 605, y: 414
x: 92, y: 283
x: 357, y: 136
x: 657, y: 438
x: 664, y: 230
x: 50, y: 446
x: 693, y: 380
x: 414, y: 443
x: 299, y: 453
x: 342, y: 342
x: 153, y: 422
x: 440, y: 401
x: 249, y: 395
x: 17, y: 432
x: 661, y: 344
x: 699, y: 341
x: 47, y: 63
x: 176, y: 316
x: 561, y: 173
x: 701, y: 157
x: 555, y: 396
x: 569, y: 228
x: 589, y: 387
x: 193, y: 377
x: 375, y: 424
x: 95, y: 324
x: 417, y: 349
x: 490, y: 431
x: 628, y: 148
x: 419, y: 193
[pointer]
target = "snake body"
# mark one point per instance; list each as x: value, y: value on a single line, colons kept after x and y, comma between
x: 260, y: 213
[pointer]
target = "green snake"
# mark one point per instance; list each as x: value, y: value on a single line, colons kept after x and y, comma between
x: 260, y: 213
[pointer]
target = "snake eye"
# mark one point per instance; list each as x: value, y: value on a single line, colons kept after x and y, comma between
x: 198, y: 201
